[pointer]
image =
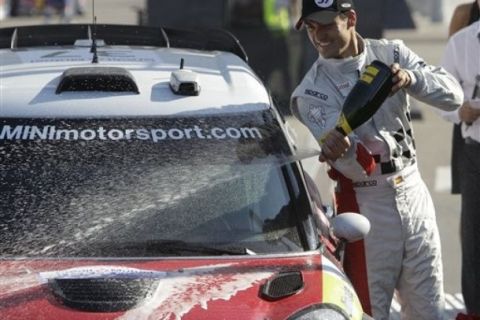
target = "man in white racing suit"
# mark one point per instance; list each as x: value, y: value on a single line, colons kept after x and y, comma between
x: 375, y: 166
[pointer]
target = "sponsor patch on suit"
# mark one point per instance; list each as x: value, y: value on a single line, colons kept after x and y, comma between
x: 365, y: 184
x: 316, y: 94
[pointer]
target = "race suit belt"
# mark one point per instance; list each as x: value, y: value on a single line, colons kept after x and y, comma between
x: 389, y: 166
x: 406, y: 176
x: 385, y: 167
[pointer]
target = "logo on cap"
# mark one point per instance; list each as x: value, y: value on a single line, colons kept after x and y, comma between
x: 324, y: 3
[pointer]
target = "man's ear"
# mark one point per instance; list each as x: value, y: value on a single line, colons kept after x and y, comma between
x: 352, y: 18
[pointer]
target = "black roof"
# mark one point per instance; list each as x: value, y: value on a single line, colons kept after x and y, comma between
x: 67, y: 34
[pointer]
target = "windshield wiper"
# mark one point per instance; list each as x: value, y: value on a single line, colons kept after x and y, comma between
x: 173, y: 247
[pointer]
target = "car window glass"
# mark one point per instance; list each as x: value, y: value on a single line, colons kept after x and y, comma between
x: 83, y: 187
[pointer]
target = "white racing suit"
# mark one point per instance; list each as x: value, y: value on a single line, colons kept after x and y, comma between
x: 378, y: 177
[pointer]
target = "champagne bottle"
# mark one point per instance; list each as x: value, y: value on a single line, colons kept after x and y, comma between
x: 366, y: 97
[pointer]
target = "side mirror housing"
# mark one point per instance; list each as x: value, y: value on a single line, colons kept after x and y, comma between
x: 350, y: 226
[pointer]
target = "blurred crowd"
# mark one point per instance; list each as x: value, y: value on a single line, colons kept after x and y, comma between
x: 65, y: 10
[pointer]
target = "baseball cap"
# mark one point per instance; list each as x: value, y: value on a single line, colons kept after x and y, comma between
x: 323, y: 11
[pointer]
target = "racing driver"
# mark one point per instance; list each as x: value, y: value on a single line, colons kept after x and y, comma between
x: 376, y: 167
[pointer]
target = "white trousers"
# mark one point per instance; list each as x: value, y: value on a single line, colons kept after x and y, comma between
x: 403, y: 249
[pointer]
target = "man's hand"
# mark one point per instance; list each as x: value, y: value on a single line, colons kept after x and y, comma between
x: 401, y: 78
x: 334, y: 146
x: 467, y: 113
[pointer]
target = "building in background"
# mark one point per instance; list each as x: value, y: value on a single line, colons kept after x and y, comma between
x: 261, y: 24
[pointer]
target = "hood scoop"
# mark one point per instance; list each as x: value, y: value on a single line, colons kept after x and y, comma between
x: 282, y: 285
x: 102, y: 294
x: 107, y: 79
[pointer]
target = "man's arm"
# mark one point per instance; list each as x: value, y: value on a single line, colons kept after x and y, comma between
x: 430, y: 84
x: 466, y: 113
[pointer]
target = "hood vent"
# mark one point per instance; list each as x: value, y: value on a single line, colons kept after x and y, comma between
x: 282, y: 285
x: 102, y: 294
x: 110, y: 79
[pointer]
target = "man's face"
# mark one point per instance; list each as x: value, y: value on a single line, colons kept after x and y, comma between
x: 332, y: 40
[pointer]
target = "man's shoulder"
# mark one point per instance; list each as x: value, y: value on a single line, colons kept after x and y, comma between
x: 311, y: 75
x: 386, y: 50
x: 383, y: 42
x: 472, y: 29
x: 464, y: 35
x: 311, y: 82
x: 306, y: 82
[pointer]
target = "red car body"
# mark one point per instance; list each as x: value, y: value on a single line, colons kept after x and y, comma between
x: 223, y: 288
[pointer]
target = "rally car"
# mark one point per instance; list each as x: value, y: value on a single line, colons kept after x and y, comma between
x: 146, y: 174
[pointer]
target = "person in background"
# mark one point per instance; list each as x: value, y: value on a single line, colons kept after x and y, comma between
x: 462, y: 59
x: 80, y: 7
x: 64, y: 8
x: 463, y: 15
x: 375, y: 167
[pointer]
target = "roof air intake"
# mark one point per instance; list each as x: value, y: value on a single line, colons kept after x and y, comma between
x: 110, y: 79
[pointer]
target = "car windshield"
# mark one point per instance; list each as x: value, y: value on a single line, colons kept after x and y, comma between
x: 146, y: 187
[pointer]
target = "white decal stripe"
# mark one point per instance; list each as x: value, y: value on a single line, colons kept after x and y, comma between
x: 395, y: 306
x: 442, y: 179
x: 451, y: 302
x: 459, y: 297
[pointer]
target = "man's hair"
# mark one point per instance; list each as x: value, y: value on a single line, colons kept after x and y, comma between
x: 474, y: 12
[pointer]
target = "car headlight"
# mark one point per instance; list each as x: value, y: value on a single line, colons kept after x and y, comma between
x: 323, y: 312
